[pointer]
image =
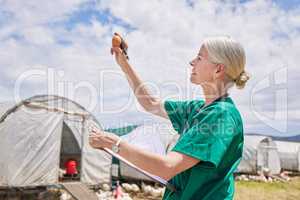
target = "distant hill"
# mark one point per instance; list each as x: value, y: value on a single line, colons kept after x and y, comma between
x: 295, y: 138
x: 123, y: 130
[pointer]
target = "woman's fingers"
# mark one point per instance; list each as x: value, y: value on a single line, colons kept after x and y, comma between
x: 93, y: 135
x: 95, y: 130
x: 95, y: 140
x: 116, y: 50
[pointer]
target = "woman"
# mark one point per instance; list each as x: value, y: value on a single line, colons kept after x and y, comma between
x: 202, y: 163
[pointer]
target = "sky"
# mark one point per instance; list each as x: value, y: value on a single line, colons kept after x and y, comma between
x: 62, y: 47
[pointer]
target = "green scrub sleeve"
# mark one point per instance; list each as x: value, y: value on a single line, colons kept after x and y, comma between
x: 178, y: 113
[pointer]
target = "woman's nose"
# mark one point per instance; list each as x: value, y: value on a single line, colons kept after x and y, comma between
x: 192, y: 63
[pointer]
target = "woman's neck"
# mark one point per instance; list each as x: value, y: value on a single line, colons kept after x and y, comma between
x: 212, y: 94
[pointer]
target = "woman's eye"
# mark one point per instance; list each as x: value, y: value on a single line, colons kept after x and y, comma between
x: 199, y: 58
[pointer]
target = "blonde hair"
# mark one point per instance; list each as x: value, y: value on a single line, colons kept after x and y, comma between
x: 227, y: 51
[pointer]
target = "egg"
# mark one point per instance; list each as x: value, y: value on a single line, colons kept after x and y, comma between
x: 116, y: 40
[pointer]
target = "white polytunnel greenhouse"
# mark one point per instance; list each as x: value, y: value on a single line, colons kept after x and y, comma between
x: 289, y: 153
x: 39, y: 134
x: 259, y: 152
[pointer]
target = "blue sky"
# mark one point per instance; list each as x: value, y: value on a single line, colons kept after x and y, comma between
x: 287, y: 5
x: 62, y: 47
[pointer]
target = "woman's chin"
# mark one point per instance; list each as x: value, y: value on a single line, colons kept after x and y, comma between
x: 195, y: 81
x: 192, y: 79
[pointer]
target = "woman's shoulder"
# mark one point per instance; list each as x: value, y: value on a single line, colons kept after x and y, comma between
x: 225, y: 109
x: 225, y: 105
x: 190, y: 106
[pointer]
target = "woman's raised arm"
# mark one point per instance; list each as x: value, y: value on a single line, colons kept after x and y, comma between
x: 148, y: 102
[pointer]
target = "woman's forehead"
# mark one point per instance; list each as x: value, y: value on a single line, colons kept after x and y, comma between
x: 203, y: 52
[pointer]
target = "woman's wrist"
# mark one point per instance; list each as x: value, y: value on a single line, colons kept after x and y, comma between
x: 112, y: 140
x: 116, y: 147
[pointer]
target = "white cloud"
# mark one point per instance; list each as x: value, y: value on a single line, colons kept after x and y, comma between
x: 33, y: 12
x: 165, y: 36
x: 38, y: 36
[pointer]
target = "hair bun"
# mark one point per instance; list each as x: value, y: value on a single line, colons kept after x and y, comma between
x: 241, y: 80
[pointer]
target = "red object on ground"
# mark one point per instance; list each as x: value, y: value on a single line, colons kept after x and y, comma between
x: 71, y: 167
x: 118, y: 193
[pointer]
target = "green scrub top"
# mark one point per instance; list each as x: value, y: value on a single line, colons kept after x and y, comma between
x: 212, y: 134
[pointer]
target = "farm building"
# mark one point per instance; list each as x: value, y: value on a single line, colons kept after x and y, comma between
x: 38, y: 136
x: 289, y: 153
x: 259, y: 152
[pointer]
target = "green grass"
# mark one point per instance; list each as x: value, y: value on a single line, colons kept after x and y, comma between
x: 246, y: 190
x: 252, y: 190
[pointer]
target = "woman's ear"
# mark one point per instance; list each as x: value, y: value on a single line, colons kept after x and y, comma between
x: 220, y: 70
x: 220, y: 67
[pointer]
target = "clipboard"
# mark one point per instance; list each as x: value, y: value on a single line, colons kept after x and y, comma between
x: 151, y: 176
x: 128, y: 163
